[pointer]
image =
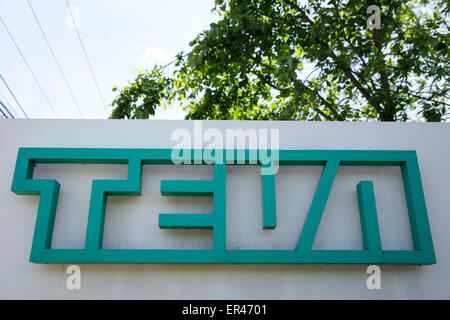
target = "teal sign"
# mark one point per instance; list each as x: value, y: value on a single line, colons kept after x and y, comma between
x: 373, y: 253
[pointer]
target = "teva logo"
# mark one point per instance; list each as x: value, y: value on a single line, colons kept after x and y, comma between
x: 331, y: 160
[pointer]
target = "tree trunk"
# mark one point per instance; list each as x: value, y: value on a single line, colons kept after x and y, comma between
x: 387, y: 115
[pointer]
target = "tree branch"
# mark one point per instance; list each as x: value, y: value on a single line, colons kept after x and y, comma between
x: 347, y: 71
x: 259, y: 62
x: 429, y: 99
x: 383, y: 74
x: 266, y: 81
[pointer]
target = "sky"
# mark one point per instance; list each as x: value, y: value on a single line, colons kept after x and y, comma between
x: 119, y: 36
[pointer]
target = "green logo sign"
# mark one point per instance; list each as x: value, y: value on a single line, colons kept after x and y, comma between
x: 373, y: 253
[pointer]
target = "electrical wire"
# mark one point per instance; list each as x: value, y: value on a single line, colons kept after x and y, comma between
x: 4, y: 115
x: 28, y: 66
x: 12, y: 94
x: 6, y: 108
x: 8, y: 104
x: 86, y: 56
x: 56, y: 59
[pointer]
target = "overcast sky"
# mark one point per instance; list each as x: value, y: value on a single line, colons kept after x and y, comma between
x: 120, y: 37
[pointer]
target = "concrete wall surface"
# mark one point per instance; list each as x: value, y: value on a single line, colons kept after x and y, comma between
x: 132, y: 221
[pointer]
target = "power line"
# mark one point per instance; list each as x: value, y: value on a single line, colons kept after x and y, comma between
x: 86, y: 56
x: 54, y: 57
x: 10, y: 91
x: 4, y: 115
x: 9, y: 104
x: 6, y: 108
x: 28, y: 66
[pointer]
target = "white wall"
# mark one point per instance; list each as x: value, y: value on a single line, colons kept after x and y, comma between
x: 131, y: 222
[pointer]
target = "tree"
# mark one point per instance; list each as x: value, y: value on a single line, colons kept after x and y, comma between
x: 307, y: 60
